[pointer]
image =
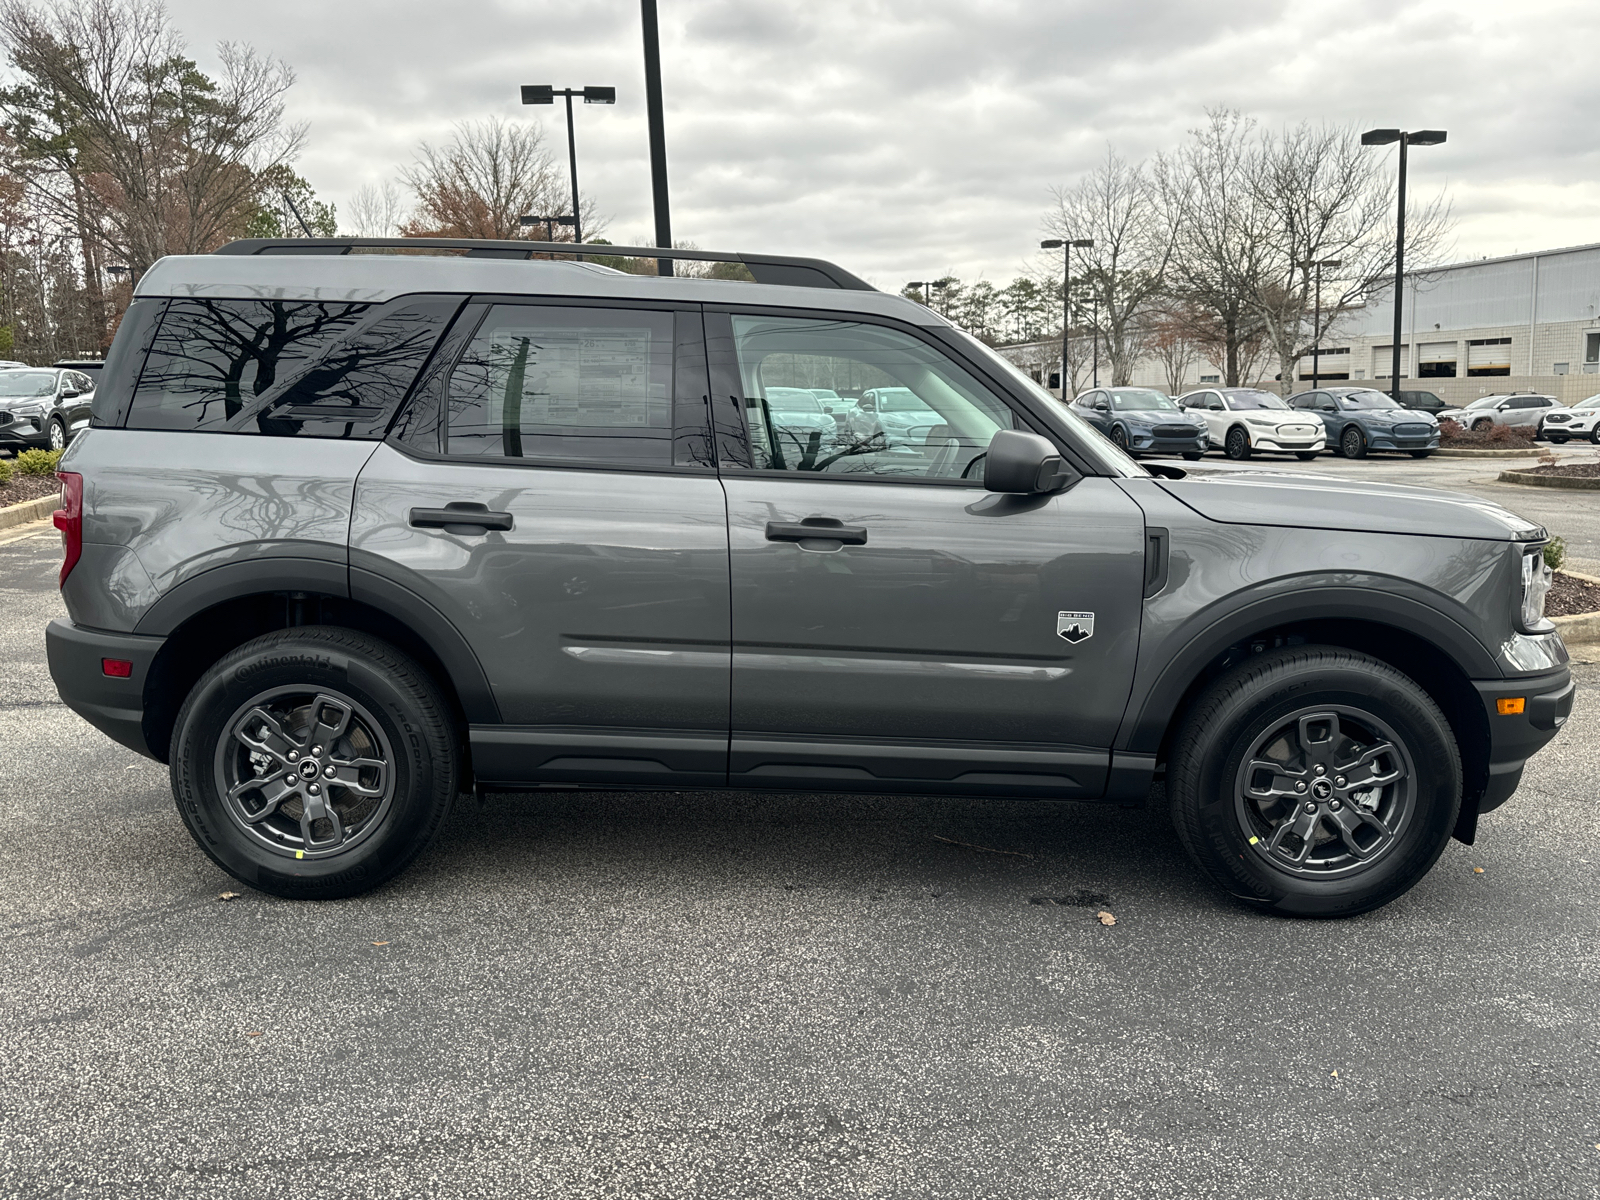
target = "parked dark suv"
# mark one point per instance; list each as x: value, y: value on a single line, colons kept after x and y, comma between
x: 355, y: 532
x: 43, y: 408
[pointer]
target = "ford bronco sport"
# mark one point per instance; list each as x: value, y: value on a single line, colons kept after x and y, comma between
x: 354, y: 531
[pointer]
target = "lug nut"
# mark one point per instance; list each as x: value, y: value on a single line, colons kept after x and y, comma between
x: 1319, y: 769
x: 314, y: 789
x: 316, y: 750
x: 1335, y: 806
x: 1311, y: 806
x: 328, y: 770
x: 1301, y: 786
x: 1338, y: 781
x: 294, y: 756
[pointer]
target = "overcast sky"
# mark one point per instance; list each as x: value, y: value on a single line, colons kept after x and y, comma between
x: 903, y: 137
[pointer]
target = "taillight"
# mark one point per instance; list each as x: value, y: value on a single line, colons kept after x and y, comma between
x: 69, y: 519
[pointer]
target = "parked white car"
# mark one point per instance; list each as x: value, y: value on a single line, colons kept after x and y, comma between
x: 1244, y: 420
x: 1522, y: 410
x: 1582, y: 420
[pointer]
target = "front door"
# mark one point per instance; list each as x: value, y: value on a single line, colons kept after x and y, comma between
x: 894, y: 624
x: 551, y: 493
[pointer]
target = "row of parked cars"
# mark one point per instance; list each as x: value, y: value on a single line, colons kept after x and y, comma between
x: 44, y: 408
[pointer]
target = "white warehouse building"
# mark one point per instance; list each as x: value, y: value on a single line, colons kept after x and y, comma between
x: 1524, y: 322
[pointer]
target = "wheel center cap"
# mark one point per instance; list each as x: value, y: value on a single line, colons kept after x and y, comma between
x: 1322, y: 789
x: 308, y: 769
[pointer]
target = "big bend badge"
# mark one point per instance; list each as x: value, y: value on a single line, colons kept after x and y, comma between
x: 1075, y: 627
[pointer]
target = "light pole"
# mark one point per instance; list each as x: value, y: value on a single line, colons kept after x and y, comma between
x: 1316, y: 322
x: 1406, y: 138
x: 1065, y: 246
x: 940, y: 285
x: 544, y: 93
x: 1095, y: 321
x: 549, y: 224
x: 658, y: 135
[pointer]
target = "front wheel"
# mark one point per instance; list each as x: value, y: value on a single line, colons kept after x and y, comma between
x: 1315, y: 782
x: 1482, y: 424
x: 1119, y: 438
x: 58, y: 434
x: 1353, y: 444
x: 1594, y: 434
x: 314, y: 763
x: 1237, y: 446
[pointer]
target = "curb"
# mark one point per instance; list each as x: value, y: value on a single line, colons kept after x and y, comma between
x: 31, y: 510
x: 1579, y: 628
x: 1571, y: 484
x: 1488, y: 453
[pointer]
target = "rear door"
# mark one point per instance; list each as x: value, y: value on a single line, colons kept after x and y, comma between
x: 551, y: 494
x: 895, y: 625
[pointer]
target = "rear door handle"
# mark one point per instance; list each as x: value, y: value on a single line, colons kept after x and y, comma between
x: 461, y: 517
x: 817, y: 529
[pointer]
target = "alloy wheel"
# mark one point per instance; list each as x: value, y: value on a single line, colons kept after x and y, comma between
x: 309, y: 774
x: 58, y: 436
x: 1325, y: 792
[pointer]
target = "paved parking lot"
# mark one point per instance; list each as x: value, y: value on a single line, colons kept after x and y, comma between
x: 681, y: 994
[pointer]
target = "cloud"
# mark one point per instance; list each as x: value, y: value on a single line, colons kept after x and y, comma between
x: 905, y: 136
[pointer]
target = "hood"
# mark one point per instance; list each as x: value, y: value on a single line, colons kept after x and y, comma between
x: 1324, y: 502
x: 1156, y: 416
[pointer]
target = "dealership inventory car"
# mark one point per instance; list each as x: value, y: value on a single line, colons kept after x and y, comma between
x: 1519, y: 411
x: 1360, y: 419
x: 470, y: 523
x: 1244, y: 420
x: 1422, y: 402
x: 42, y: 408
x: 1143, y: 420
x: 1582, y: 420
x: 896, y: 416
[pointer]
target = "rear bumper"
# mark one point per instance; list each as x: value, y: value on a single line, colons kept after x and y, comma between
x: 1516, y: 737
x: 114, y: 706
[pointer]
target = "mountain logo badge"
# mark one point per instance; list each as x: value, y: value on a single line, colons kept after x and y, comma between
x: 1075, y: 627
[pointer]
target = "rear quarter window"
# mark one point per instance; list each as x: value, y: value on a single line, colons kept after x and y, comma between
x: 285, y: 368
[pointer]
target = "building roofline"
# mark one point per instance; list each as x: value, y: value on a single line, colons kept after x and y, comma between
x: 1503, y: 258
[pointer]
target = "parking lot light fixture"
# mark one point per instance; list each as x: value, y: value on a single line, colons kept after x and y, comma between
x: 544, y: 93
x: 549, y: 224
x: 1316, y: 322
x: 922, y: 290
x: 1065, y: 245
x: 1382, y: 137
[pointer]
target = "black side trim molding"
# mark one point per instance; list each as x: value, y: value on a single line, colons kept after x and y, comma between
x: 508, y: 755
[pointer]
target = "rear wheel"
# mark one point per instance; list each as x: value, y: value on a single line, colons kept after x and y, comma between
x: 1237, y: 445
x: 1315, y: 782
x: 314, y: 763
x: 1594, y: 434
x: 1353, y: 443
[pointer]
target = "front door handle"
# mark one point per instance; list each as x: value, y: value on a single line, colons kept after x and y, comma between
x: 461, y: 517
x: 828, y: 531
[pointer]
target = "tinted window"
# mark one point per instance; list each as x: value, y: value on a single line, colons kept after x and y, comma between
x: 1142, y: 399
x: 1244, y: 399
x: 934, y: 420
x: 584, y: 384
x: 1366, y: 400
x: 212, y: 360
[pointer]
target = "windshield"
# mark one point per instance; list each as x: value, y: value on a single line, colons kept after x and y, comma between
x: 825, y: 393
x: 1141, y: 400
x: 1485, y: 402
x: 792, y: 400
x: 1240, y: 399
x: 899, y: 400
x: 27, y: 383
x: 1368, y: 399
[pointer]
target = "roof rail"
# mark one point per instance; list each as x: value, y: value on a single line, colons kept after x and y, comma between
x: 766, y: 268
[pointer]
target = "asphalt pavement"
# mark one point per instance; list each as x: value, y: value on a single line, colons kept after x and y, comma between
x: 689, y: 994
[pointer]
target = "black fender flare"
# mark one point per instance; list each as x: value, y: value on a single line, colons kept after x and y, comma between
x: 1207, y: 635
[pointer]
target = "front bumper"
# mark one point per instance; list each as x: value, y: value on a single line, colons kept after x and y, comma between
x: 114, y: 706
x: 1381, y: 440
x: 1149, y: 443
x: 21, y: 435
x: 1287, y: 444
x: 1516, y: 737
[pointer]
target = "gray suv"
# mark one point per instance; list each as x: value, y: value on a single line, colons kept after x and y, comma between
x: 355, y: 532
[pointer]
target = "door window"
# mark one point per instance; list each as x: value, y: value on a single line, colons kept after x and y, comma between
x: 919, y: 415
x: 587, y: 385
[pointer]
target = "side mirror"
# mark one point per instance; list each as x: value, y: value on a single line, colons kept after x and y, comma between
x: 1101, y: 406
x: 69, y: 394
x: 1025, y: 464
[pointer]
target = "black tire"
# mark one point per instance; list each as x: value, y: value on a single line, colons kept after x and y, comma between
x: 1481, y: 424
x: 58, y: 434
x: 1230, y: 836
x: 1119, y: 438
x: 1191, y: 456
x: 1305, y: 455
x: 1420, y: 453
x: 1353, y: 443
x: 1594, y: 434
x: 1555, y: 441
x: 397, y: 747
x: 1237, y: 444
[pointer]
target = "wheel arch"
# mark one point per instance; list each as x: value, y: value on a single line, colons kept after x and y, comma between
x: 217, y: 619
x: 1427, y: 646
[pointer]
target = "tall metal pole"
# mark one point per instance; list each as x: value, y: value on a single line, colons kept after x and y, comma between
x: 1066, y: 316
x: 572, y: 154
x: 658, y: 136
x: 1096, y: 341
x: 1316, y: 331
x: 1399, y: 271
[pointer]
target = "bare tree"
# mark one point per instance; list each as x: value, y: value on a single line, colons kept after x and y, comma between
x: 1115, y: 204
x: 1173, y: 344
x: 149, y: 155
x: 1328, y: 198
x: 481, y: 183
x: 376, y: 211
x: 1220, y: 233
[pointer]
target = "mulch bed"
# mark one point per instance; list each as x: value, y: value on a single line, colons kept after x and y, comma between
x: 1454, y: 437
x: 1567, y: 470
x: 1568, y: 595
x: 23, y: 488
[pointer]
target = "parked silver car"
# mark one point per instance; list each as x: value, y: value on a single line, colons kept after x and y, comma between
x: 1522, y: 410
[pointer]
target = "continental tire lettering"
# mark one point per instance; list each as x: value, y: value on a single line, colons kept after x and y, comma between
x: 272, y: 662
